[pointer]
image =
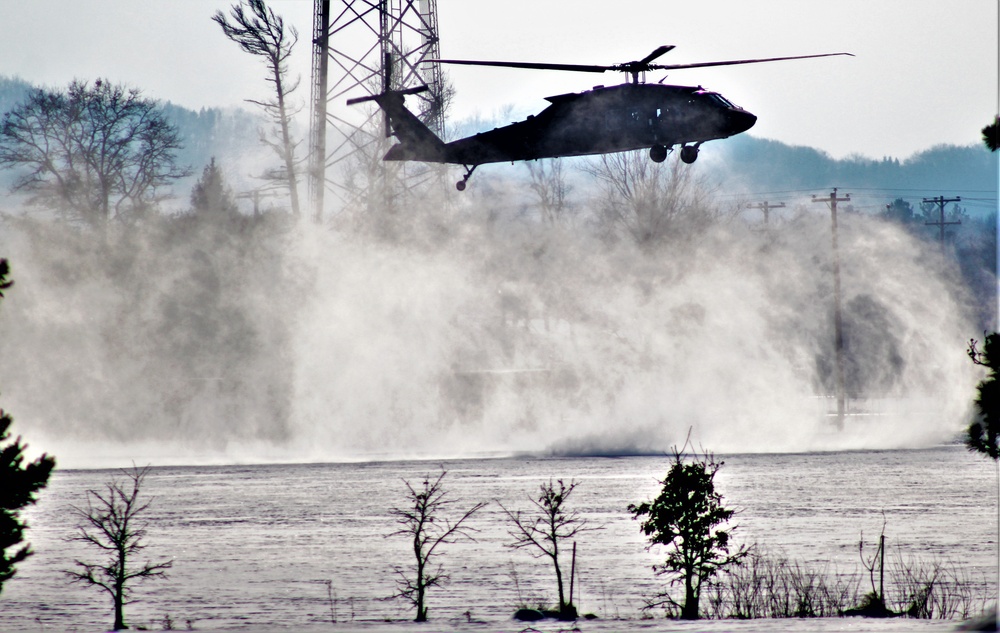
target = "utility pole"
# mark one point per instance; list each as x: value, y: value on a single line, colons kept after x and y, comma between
x: 256, y: 195
x: 941, y: 201
x: 766, y: 208
x: 838, y: 319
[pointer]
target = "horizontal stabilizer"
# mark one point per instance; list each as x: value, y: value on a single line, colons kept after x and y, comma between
x: 408, y: 91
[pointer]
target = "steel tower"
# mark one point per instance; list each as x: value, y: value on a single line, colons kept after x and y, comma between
x: 366, y: 46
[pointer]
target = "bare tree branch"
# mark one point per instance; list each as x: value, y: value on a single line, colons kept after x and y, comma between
x: 648, y: 203
x: 542, y: 534
x: 96, y: 151
x: 112, y: 523
x: 429, y: 530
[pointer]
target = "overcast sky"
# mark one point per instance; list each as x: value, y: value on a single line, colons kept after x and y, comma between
x: 925, y: 71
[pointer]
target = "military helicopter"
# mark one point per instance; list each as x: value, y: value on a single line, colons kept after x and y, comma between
x: 629, y: 116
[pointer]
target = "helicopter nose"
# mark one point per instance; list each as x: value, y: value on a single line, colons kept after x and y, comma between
x: 741, y: 121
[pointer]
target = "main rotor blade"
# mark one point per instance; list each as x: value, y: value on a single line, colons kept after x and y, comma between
x: 739, y: 61
x: 630, y: 67
x: 582, y: 68
x: 660, y: 51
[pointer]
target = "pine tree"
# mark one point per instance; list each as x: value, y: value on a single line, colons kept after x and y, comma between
x: 18, y: 483
x: 991, y: 135
x: 211, y: 194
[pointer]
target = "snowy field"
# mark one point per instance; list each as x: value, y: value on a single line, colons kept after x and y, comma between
x: 304, y: 547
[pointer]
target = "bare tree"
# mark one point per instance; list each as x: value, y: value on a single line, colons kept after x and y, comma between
x: 649, y: 202
x: 112, y: 523
x: 95, y: 151
x: 422, y: 521
x: 373, y: 189
x: 261, y: 32
x: 546, y: 531
x: 548, y: 182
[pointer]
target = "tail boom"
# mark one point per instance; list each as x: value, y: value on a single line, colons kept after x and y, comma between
x: 416, y: 140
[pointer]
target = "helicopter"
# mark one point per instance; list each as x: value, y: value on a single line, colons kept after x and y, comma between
x: 606, y: 119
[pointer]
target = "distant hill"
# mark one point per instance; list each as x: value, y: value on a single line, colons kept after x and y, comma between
x: 762, y: 165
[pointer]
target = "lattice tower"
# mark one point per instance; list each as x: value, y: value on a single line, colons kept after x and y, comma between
x: 365, y: 47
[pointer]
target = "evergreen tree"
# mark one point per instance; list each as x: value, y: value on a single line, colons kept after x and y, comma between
x: 18, y: 483
x: 211, y: 194
x: 983, y: 434
x: 900, y: 211
x: 991, y: 135
x: 685, y: 517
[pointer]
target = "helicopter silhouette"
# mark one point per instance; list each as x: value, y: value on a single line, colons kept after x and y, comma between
x: 629, y: 116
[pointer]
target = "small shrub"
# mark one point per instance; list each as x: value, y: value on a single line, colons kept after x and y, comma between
x: 771, y: 586
x: 936, y: 589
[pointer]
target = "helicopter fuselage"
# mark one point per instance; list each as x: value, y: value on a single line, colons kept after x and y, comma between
x: 629, y: 116
x: 606, y: 119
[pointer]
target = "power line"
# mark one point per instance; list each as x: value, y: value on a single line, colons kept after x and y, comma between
x: 915, y: 193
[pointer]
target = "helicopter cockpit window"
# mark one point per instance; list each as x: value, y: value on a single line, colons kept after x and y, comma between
x: 716, y: 97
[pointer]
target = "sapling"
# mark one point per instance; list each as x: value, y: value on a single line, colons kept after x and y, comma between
x: 543, y: 533
x: 113, y: 524
x: 423, y: 522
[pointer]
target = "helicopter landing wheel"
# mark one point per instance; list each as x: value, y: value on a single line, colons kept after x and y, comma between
x: 689, y: 153
x: 460, y: 185
x: 658, y: 153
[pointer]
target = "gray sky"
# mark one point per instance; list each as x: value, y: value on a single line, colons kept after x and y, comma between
x: 925, y: 71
